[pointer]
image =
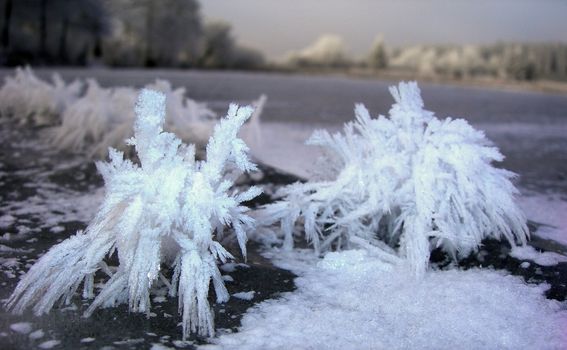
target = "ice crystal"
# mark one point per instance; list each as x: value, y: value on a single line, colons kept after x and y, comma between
x: 410, y: 182
x: 169, y: 209
x: 103, y: 118
x: 32, y: 100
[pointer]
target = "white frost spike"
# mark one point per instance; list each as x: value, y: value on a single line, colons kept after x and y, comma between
x: 32, y: 100
x: 169, y: 199
x: 408, y: 181
x: 104, y: 117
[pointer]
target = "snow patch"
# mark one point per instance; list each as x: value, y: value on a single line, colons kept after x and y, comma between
x: 21, y: 327
x: 348, y: 306
x: 37, y: 334
x: 158, y: 346
x: 49, y: 344
x: 550, y: 210
x: 244, y: 295
x: 541, y: 258
x: 6, y: 221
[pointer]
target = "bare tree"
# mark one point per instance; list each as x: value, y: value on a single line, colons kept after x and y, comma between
x: 378, y: 58
x: 168, y: 32
x: 6, y: 24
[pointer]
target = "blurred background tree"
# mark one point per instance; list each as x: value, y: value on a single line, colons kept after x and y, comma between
x: 221, y: 51
x: 150, y: 33
x: 378, y: 58
x: 154, y: 33
x: 53, y: 31
x: 173, y: 33
x: 327, y: 51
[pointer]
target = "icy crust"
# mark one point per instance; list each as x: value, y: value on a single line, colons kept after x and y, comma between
x: 351, y: 300
x: 169, y: 209
x: 408, y: 181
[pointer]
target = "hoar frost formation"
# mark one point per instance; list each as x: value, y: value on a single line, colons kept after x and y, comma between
x: 35, y: 101
x: 169, y: 209
x: 402, y: 186
x: 397, y: 186
x: 90, y: 119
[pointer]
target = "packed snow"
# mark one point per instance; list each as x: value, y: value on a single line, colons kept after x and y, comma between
x: 37, y: 334
x: 352, y: 300
x: 21, y: 327
x: 550, y: 212
x: 244, y: 295
x: 50, y: 344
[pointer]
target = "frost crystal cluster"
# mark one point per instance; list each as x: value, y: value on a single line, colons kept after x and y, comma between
x: 106, y: 118
x: 168, y: 209
x: 30, y: 99
x: 89, y: 118
x: 404, y: 184
x: 96, y: 121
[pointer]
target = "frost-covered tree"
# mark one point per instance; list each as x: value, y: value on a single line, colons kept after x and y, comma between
x: 378, y: 57
x: 327, y: 51
x: 168, y: 209
x: 406, y: 184
x: 221, y: 50
x: 155, y: 32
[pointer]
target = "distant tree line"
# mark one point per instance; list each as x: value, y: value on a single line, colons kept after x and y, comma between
x: 502, y: 60
x: 514, y: 61
x: 118, y: 33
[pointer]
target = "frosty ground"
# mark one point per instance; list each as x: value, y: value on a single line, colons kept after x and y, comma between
x: 344, y: 300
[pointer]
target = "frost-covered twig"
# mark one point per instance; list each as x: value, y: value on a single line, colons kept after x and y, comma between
x: 169, y: 199
x: 410, y: 180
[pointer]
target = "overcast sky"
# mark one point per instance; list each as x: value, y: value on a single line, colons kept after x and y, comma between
x: 278, y: 26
